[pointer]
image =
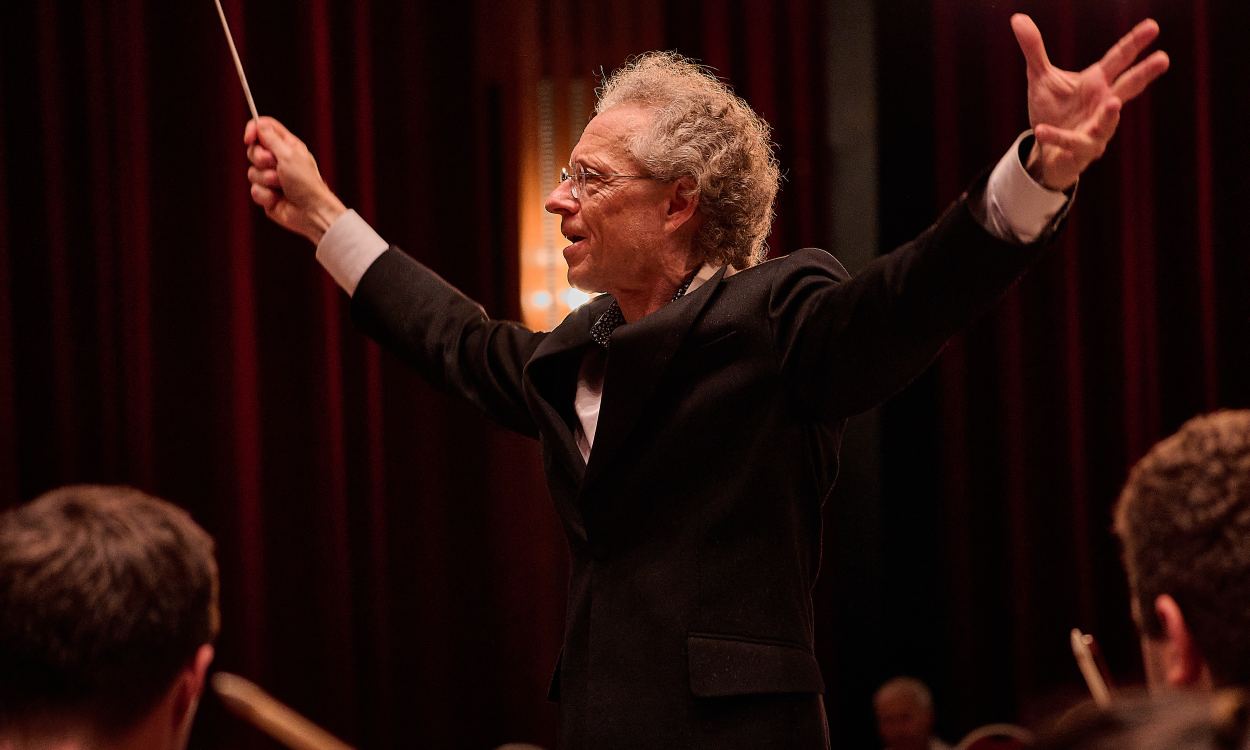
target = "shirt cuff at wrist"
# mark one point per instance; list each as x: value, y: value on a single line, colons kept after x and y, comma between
x: 348, y: 248
x: 1019, y: 207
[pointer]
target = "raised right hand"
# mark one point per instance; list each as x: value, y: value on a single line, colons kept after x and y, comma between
x: 286, y: 182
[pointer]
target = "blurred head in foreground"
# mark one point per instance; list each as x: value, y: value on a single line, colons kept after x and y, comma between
x: 1163, y: 721
x: 1183, y: 519
x: 108, y: 608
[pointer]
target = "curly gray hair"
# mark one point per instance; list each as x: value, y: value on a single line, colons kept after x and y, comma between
x: 703, y: 131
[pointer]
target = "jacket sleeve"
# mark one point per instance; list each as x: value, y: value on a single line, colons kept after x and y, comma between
x: 845, y: 345
x: 447, y: 337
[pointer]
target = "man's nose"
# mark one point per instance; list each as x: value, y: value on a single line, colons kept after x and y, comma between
x: 560, y: 200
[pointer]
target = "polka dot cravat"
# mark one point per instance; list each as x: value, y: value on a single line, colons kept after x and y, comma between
x: 612, y: 318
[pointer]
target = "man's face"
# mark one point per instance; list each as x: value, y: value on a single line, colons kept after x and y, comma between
x: 902, y: 722
x: 617, y: 225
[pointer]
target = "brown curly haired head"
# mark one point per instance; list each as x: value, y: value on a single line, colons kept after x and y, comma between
x: 1183, y: 520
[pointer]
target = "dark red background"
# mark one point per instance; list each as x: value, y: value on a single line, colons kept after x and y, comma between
x: 391, y: 566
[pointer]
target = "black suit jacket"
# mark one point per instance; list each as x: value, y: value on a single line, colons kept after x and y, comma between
x: 695, y: 529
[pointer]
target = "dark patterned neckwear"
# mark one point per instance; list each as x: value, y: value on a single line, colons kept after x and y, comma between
x: 612, y: 318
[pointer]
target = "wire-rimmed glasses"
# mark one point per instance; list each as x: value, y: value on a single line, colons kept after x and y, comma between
x: 580, y: 175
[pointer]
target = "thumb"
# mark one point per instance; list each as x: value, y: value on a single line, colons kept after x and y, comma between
x: 273, y: 136
x: 1030, y: 40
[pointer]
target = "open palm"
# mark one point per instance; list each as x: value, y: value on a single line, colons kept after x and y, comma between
x: 1074, y: 114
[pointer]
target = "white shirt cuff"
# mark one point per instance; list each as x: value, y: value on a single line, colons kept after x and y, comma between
x: 348, y: 248
x: 1017, y: 206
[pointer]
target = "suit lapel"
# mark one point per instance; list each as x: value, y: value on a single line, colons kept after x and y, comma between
x: 552, y: 370
x: 638, y: 357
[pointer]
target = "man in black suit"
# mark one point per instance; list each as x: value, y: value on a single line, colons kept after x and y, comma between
x: 690, y: 417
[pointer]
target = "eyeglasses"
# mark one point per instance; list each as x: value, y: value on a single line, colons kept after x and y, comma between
x: 580, y: 175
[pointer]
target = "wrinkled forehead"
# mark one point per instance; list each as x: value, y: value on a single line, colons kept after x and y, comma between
x: 605, y: 141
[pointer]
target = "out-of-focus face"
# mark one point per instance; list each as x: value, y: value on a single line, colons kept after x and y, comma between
x: 902, y: 722
x: 616, y: 227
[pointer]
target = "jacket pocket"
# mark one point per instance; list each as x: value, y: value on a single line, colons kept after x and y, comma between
x: 723, y: 665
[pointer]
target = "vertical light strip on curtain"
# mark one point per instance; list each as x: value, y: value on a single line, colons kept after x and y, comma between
x: 546, y: 297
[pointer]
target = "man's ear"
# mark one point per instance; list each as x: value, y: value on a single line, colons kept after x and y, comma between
x: 683, y: 202
x: 1183, y: 665
x: 190, y: 684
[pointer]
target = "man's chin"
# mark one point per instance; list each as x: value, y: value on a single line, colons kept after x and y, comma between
x: 582, y: 280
